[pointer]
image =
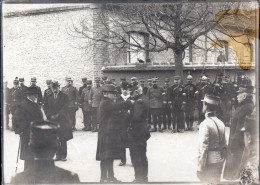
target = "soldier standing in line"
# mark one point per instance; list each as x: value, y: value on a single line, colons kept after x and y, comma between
x: 7, y: 101
x: 138, y: 134
x: 26, y: 112
x: 203, y: 88
x: 43, y: 145
x: 16, y: 97
x: 48, y: 90
x: 155, y: 97
x: 33, y: 84
x: 73, y: 105
x: 22, y: 87
x: 84, y: 85
x: 142, y: 84
x: 166, y: 113
x: 57, y: 111
x: 190, y: 99
x: 176, y: 103
x: 95, y: 98
x: 86, y: 106
x: 150, y: 85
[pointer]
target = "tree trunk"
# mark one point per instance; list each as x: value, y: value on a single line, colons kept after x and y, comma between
x: 178, y: 63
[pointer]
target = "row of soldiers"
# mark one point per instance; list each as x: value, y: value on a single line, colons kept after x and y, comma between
x: 170, y: 106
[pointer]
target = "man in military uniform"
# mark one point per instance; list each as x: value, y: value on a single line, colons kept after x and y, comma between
x: 138, y: 134
x: 22, y: 87
x: 48, y: 90
x: 142, y: 84
x: 134, y: 81
x: 43, y: 145
x: 176, y: 101
x: 7, y: 101
x: 118, y: 88
x: 33, y: 84
x: 203, y: 88
x: 155, y: 97
x: 86, y: 106
x: 73, y: 105
x: 190, y: 99
x: 26, y: 112
x: 16, y: 97
x: 218, y: 85
x: 150, y: 85
x: 95, y: 98
x: 84, y: 81
x: 56, y: 110
x: 166, y: 113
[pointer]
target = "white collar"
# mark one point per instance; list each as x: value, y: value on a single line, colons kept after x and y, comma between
x: 125, y: 97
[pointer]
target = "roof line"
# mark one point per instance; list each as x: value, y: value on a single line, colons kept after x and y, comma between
x: 45, y: 11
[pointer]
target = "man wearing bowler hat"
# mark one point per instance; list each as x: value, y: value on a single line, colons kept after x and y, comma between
x: 109, y: 140
x: 73, y: 105
x: 33, y: 84
x: 236, y: 143
x: 25, y: 113
x: 57, y: 111
x: 43, y: 144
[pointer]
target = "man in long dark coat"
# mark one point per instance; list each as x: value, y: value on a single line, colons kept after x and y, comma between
x: 26, y: 112
x: 138, y: 134
x: 109, y: 140
x: 33, y: 84
x: 56, y: 110
x: 236, y: 139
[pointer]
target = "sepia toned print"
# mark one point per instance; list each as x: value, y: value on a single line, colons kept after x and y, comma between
x: 116, y: 92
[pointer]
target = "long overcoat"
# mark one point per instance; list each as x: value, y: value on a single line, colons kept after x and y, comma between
x: 236, y: 140
x: 25, y: 113
x: 109, y: 137
x: 59, y: 106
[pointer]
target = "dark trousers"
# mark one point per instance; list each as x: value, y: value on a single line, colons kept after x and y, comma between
x: 28, y: 164
x: 140, y: 162
x: 211, y: 174
x: 61, y: 149
x: 149, y: 117
x: 87, y: 118
x: 106, y: 167
x: 167, y: 116
x: 72, y: 115
x: 189, y: 114
x: 157, y: 116
x: 178, y: 117
x: 94, y: 116
x: 123, y: 160
x: 6, y: 117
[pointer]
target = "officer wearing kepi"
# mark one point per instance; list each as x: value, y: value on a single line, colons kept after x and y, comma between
x: 176, y: 101
x: 48, y: 90
x: 166, y: 107
x: 73, y: 105
x: 22, y: 87
x: 33, y: 84
x: 84, y: 81
x: 43, y: 144
x: 190, y: 99
x: 86, y: 106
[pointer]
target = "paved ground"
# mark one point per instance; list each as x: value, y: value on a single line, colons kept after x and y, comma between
x: 172, y: 157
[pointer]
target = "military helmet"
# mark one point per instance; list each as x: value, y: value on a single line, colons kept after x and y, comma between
x: 189, y: 77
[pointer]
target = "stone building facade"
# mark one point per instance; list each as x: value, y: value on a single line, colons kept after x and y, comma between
x: 37, y: 42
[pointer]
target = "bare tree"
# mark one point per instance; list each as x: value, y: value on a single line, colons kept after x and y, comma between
x: 173, y: 26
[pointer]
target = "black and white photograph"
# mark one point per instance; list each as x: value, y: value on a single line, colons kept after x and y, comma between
x: 136, y: 92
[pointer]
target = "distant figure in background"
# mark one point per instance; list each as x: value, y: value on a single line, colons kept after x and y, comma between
x: 7, y: 101
x: 166, y: 112
x: 33, y: 84
x: 84, y: 85
x: 118, y: 88
x: 48, y: 90
x: 236, y: 143
x: 211, y: 142
x: 95, y: 98
x: 73, y: 105
x: 25, y: 113
x: 43, y: 144
x: 142, y: 84
x: 22, y: 87
x: 57, y: 111
x: 87, y: 107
